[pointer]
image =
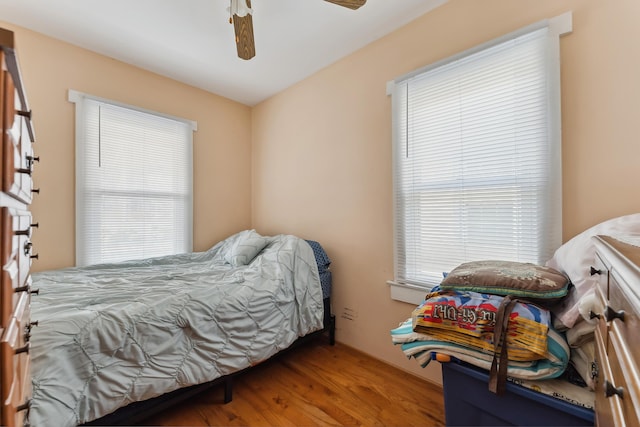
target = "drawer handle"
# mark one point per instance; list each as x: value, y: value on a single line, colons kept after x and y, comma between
x: 26, y: 171
x: 35, y: 190
x: 24, y: 349
x: 26, y: 405
x: 593, y: 315
x: 23, y: 113
x: 610, y: 390
x: 594, y: 370
x: 595, y: 271
x: 27, y: 250
x: 26, y: 232
x: 32, y: 159
x: 27, y: 330
x: 611, y: 314
x: 27, y: 289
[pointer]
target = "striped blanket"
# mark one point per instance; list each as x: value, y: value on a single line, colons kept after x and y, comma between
x: 469, y: 318
x: 423, y: 347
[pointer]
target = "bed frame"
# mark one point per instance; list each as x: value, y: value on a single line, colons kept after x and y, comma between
x: 138, y: 411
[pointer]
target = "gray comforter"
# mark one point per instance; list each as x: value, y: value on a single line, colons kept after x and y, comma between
x: 113, y: 334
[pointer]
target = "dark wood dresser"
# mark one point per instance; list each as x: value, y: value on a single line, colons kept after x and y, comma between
x: 16, y: 250
x: 616, y: 368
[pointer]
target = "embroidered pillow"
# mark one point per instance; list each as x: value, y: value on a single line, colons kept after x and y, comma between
x: 521, y: 280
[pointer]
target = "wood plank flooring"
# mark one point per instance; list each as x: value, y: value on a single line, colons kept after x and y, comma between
x: 315, y: 385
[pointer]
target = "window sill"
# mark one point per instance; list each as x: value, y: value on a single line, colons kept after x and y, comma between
x: 407, y: 293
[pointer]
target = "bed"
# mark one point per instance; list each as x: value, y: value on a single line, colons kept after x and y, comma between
x: 113, y: 334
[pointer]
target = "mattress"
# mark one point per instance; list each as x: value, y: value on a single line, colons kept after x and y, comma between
x: 113, y: 334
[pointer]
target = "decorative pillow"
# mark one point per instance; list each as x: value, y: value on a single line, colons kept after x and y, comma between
x: 520, y: 280
x: 578, y: 254
x: 248, y: 244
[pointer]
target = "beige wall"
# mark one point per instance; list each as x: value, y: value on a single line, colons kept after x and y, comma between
x: 322, y: 152
x: 221, y: 145
x: 315, y: 160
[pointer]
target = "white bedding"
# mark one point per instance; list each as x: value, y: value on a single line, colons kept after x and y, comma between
x: 575, y: 258
x: 113, y: 334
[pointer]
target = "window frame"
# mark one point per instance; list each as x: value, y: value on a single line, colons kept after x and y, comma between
x: 79, y: 99
x: 406, y: 291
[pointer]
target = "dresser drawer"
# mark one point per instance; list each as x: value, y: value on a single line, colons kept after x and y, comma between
x: 23, y: 318
x: 16, y: 257
x: 622, y: 312
x: 8, y: 294
x: 9, y: 223
x: 16, y: 227
x: 17, y: 151
x: 12, y: 295
x: 598, y: 311
x: 626, y: 380
x: 609, y: 411
x: 600, y: 271
x: 14, y: 359
x: 3, y: 73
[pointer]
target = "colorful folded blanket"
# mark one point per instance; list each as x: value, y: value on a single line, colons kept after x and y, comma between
x: 468, y: 318
x: 422, y: 347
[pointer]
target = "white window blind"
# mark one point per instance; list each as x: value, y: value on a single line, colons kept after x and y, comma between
x: 133, y: 183
x: 477, y: 166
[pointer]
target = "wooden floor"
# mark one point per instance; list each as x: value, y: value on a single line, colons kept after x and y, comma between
x: 315, y: 385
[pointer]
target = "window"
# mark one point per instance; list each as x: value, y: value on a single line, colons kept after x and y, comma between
x: 477, y: 166
x: 133, y: 182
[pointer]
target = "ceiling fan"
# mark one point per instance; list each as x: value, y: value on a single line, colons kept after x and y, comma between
x: 241, y: 16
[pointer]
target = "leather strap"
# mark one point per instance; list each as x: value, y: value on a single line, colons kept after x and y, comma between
x: 500, y: 362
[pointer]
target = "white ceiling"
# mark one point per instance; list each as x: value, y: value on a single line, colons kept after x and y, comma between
x: 192, y: 41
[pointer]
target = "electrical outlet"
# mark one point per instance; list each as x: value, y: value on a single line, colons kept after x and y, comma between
x: 349, y: 313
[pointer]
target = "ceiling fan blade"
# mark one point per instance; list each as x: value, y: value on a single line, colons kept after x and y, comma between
x: 351, y: 4
x: 243, y: 26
